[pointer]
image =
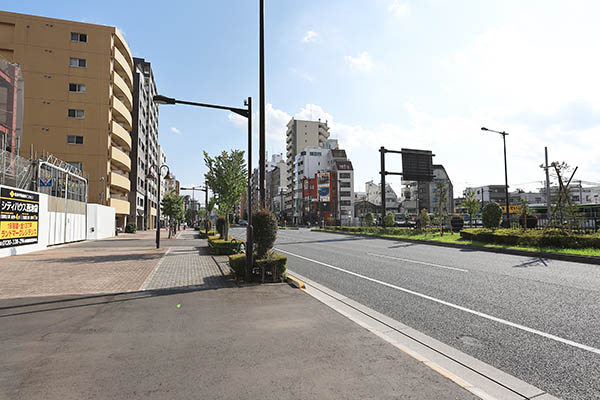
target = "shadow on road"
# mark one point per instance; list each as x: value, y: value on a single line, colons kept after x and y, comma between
x: 533, y: 262
x: 397, y: 246
x: 328, y: 240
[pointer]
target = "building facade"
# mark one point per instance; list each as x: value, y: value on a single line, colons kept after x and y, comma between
x: 11, y: 106
x: 417, y: 196
x: 78, y: 99
x: 144, y: 154
x: 300, y: 134
x: 373, y: 195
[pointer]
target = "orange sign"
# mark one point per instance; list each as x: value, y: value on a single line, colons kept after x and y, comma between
x: 16, y: 230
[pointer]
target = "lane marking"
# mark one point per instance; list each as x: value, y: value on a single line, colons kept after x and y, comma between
x: 417, y: 262
x: 456, y: 306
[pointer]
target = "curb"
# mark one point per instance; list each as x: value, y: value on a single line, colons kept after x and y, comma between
x: 526, y: 253
x: 297, y: 283
x: 475, y: 376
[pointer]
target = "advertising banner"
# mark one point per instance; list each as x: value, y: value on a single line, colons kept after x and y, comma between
x: 323, y: 194
x: 323, y: 179
x: 19, y: 214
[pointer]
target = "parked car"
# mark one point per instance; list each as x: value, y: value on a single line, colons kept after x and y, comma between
x: 243, y: 222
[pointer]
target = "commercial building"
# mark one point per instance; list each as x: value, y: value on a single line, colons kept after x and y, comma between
x: 425, y: 195
x: 319, y: 199
x: 11, y: 106
x: 489, y: 193
x: 277, y: 184
x: 300, y: 134
x: 144, y: 154
x: 78, y: 99
x: 373, y: 196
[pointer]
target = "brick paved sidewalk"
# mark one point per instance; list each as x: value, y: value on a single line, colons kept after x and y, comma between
x: 188, y: 266
x: 119, y: 264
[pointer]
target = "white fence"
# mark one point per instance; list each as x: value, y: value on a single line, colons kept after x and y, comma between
x: 59, y: 221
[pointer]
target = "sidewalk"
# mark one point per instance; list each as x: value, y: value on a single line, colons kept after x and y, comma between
x: 251, y: 342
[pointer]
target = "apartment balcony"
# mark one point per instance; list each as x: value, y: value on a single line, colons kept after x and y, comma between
x: 120, y: 159
x: 121, y: 136
x: 122, y: 91
x: 120, y: 206
x: 121, y: 113
x: 120, y: 182
x: 123, y: 68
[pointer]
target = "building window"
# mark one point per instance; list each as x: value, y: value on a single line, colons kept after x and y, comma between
x: 344, y: 184
x: 74, y: 139
x: 78, y: 37
x: 77, y: 62
x: 344, y: 194
x: 344, y: 175
x: 73, y: 113
x: 77, y: 87
x: 345, y: 203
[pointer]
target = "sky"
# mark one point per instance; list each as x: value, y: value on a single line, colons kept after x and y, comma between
x: 424, y: 74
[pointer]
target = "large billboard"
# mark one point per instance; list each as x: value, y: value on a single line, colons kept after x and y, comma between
x: 323, y: 184
x: 19, y: 215
x: 417, y: 165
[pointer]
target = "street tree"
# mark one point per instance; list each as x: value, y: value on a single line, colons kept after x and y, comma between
x: 226, y: 177
x: 172, y: 207
x: 369, y: 219
x: 471, y: 204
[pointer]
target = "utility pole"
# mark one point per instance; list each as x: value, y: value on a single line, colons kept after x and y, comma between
x: 548, y: 204
x: 262, y: 138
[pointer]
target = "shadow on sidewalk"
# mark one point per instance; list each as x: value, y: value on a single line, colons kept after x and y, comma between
x: 105, y: 258
x: 110, y: 298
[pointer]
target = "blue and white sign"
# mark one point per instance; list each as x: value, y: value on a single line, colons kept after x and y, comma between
x: 46, y: 182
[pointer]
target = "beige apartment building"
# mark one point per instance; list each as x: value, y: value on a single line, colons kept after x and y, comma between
x: 78, y: 81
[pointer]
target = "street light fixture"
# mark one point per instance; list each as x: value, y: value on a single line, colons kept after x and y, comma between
x: 167, y: 177
x: 504, y: 134
x: 247, y: 113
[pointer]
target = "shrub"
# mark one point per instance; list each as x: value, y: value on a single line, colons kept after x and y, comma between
x: 131, y: 227
x: 492, y: 215
x: 423, y: 219
x: 204, y: 235
x: 532, y: 238
x: 221, y: 222
x: 389, y: 219
x: 221, y: 247
x: 237, y: 263
x: 273, y: 260
x: 530, y: 221
x: 264, y: 225
x: 457, y: 222
x: 369, y: 219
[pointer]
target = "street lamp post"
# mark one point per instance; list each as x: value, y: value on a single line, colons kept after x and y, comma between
x: 167, y: 177
x: 247, y: 113
x: 505, y: 172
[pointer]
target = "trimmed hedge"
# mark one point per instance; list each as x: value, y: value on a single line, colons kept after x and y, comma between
x: 223, y: 247
x: 237, y: 263
x: 381, y: 231
x: 532, y: 238
x: 203, y: 234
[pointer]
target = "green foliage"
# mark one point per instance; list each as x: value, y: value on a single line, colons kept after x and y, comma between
x: 237, y: 262
x: 492, y: 215
x: 457, y: 222
x: 189, y: 217
x: 533, y: 238
x: 131, y: 227
x: 423, y: 219
x: 264, y: 225
x: 389, y: 219
x: 220, y: 224
x: 226, y: 177
x: 172, y: 206
x: 206, y: 235
x: 471, y: 203
x: 224, y: 247
x: 369, y: 219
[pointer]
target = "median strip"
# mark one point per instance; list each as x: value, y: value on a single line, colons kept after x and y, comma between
x: 456, y: 306
x: 418, y: 262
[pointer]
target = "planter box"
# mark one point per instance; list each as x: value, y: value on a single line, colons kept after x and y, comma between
x: 273, y: 268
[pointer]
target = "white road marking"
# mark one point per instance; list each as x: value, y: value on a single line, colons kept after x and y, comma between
x: 418, y: 262
x: 456, y: 306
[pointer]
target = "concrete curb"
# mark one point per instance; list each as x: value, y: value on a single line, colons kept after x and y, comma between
x: 526, y: 253
x: 295, y: 282
x: 479, y: 378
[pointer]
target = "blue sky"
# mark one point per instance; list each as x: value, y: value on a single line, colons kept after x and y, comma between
x: 417, y: 74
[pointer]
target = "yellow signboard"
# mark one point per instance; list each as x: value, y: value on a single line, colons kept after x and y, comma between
x: 15, y: 230
x: 19, y: 214
x: 516, y: 209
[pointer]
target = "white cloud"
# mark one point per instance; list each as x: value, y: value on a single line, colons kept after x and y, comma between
x: 302, y: 74
x: 362, y: 62
x: 399, y: 9
x: 310, y: 37
x: 175, y: 130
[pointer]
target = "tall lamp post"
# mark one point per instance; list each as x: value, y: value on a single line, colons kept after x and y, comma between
x: 167, y: 177
x: 247, y: 113
x: 505, y: 172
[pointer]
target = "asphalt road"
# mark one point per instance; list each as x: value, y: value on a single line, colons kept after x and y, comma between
x: 538, y: 320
